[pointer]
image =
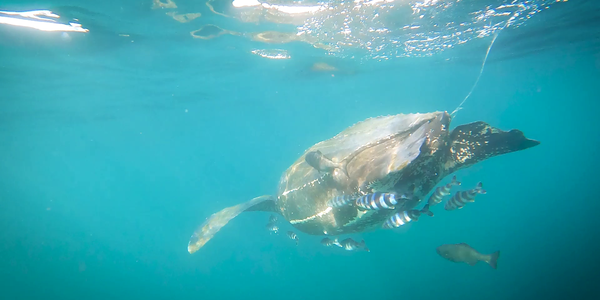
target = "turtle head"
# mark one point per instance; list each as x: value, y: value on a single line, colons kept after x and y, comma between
x: 313, y: 159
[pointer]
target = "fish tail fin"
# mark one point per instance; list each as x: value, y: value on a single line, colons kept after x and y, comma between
x: 336, y: 242
x: 494, y: 259
x: 479, y: 188
x: 364, y: 245
x: 425, y: 210
x: 454, y: 181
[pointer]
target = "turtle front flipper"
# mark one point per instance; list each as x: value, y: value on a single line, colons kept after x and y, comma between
x: 478, y: 141
x: 216, y: 221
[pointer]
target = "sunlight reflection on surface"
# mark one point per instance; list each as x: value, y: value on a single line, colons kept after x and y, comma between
x: 35, y: 19
x: 365, y: 29
x: 380, y: 29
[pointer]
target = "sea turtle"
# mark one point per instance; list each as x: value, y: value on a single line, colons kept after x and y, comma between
x: 398, y: 153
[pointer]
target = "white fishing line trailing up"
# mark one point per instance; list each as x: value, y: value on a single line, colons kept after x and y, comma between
x: 478, y: 77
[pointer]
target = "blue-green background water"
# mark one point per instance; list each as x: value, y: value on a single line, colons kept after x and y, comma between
x: 104, y: 175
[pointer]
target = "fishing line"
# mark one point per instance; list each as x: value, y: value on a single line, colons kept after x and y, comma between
x: 476, y: 81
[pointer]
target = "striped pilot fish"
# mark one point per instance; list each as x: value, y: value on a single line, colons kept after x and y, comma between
x: 442, y: 192
x: 405, y: 217
x: 327, y: 242
x: 342, y: 200
x: 272, y: 228
x: 378, y: 200
x: 272, y: 219
x: 292, y: 235
x: 461, y: 198
x: 351, y: 245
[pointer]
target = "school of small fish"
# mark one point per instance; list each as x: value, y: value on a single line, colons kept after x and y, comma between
x: 379, y: 200
x: 389, y: 201
x: 348, y: 244
x: 272, y: 228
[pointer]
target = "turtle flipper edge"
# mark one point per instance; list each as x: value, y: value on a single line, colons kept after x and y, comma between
x: 478, y: 141
x: 216, y: 221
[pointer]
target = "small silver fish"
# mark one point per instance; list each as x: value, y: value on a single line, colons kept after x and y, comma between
x: 272, y: 219
x: 272, y: 228
x: 340, y: 201
x: 466, y: 254
x: 327, y: 242
x: 351, y: 245
x: 317, y: 160
x: 461, y: 198
x: 292, y: 235
x: 442, y: 192
x: 376, y: 201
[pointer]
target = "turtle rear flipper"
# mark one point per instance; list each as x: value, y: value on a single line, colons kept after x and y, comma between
x: 216, y: 221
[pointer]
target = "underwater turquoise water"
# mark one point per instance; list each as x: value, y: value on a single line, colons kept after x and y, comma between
x: 113, y: 152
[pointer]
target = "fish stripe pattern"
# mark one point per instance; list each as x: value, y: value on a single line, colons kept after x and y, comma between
x: 442, y: 192
x: 376, y: 201
x: 461, y: 198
